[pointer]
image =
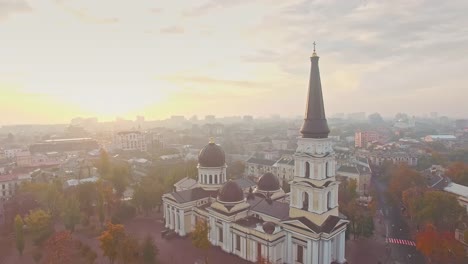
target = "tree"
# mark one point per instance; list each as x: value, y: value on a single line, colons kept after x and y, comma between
x: 110, y: 240
x: 59, y: 248
x: 149, y: 251
x: 87, y: 196
x: 200, y: 237
x: 128, y: 250
x: 403, y: 178
x: 236, y: 169
x: 39, y: 223
x: 147, y: 194
x: 120, y: 179
x: 19, y: 234
x: 439, y: 247
x: 440, y: 208
x: 103, y: 165
x: 458, y: 172
x: 375, y: 119
x: 71, y: 213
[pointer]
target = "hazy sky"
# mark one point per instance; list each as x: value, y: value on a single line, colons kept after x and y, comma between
x: 65, y: 58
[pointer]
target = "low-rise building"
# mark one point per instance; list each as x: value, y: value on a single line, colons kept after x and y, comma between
x: 256, y: 167
x: 130, y: 140
x: 361, y: 174
x: 435, y: 138
x: 285, y: 168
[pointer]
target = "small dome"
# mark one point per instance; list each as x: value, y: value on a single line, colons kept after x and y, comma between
x: 211, y: 155
x: 268, y: 183
x: 268, y: 227
x: 231, y: 192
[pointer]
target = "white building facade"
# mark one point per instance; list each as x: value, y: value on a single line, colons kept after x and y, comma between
x: 130, y: 140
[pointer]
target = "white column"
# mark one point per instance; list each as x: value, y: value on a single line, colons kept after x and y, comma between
x: 308, y: 257
x: 177, y: 221
x: 315, y: 252
x: 172, y: 224
x: 212, y: 236
x: 167, y: 216
x: 182, y: 223
x: 326, y: 252
x: 341, y: 248
x: 289, y: 249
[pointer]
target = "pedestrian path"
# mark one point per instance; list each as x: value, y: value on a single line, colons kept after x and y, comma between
x: 401, y: 241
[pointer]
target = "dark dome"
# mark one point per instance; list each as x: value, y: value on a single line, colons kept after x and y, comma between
x: 230, y: 192
x: 268, y: 227
x: 268, y: 182
x: 211, y: 155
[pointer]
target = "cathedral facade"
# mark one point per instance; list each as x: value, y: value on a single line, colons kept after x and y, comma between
x: 259, y: 222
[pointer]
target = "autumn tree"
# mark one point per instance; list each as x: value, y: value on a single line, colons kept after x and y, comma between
x: 71, y: 213
x: 411, y: 200
x: 19, y: 234
x: 149, y: 250
x: 458, y: 172
x: 440, y: 208
x: 39, y: 223
x: 403, y: 178
x: 439, y: 247
x: 111, y: 239
x: 59, y: 248
x: 200, y: 237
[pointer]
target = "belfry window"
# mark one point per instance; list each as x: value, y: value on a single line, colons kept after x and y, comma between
x: 211, y: 179
x: 307, y: 169
x: 329, y: 203
x: 326, y: 169
x: 305, y: 201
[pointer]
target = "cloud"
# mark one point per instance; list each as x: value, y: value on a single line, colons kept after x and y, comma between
x: 172, y: 30
x: 8, y: 7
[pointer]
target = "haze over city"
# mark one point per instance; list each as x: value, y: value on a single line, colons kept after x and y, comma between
x: 67, y: 58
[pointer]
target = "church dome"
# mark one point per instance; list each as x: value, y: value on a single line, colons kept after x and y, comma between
x: 231, y: 192
x: 268, y: 183
x: 211, y: 155
x: 268, y: 227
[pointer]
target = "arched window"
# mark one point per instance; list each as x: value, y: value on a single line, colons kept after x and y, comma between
x: 216, y: 178
x: 307, y: 169
x: 305, y: 201
x: 206, y: 179
x: 211, y: 179
x: 326, y: 169
x: 329, y: 202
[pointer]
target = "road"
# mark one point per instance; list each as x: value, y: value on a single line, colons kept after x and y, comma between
x: 396, y: 227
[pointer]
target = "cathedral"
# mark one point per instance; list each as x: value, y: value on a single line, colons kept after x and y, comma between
x: 260, y: 222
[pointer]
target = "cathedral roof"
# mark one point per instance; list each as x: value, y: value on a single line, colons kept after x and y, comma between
x: 192, y: 195
x: 274, y: 209
x: 212, y: 155
x: 268, y: 182
x: 315, y: 123
x: 231, y: 192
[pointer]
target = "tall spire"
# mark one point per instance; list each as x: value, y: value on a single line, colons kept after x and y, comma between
x: 315, y: 123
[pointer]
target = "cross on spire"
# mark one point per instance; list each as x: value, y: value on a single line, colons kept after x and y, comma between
x: 314, y: 46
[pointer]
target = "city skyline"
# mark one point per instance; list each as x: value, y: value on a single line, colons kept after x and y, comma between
x: 63, y: 59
